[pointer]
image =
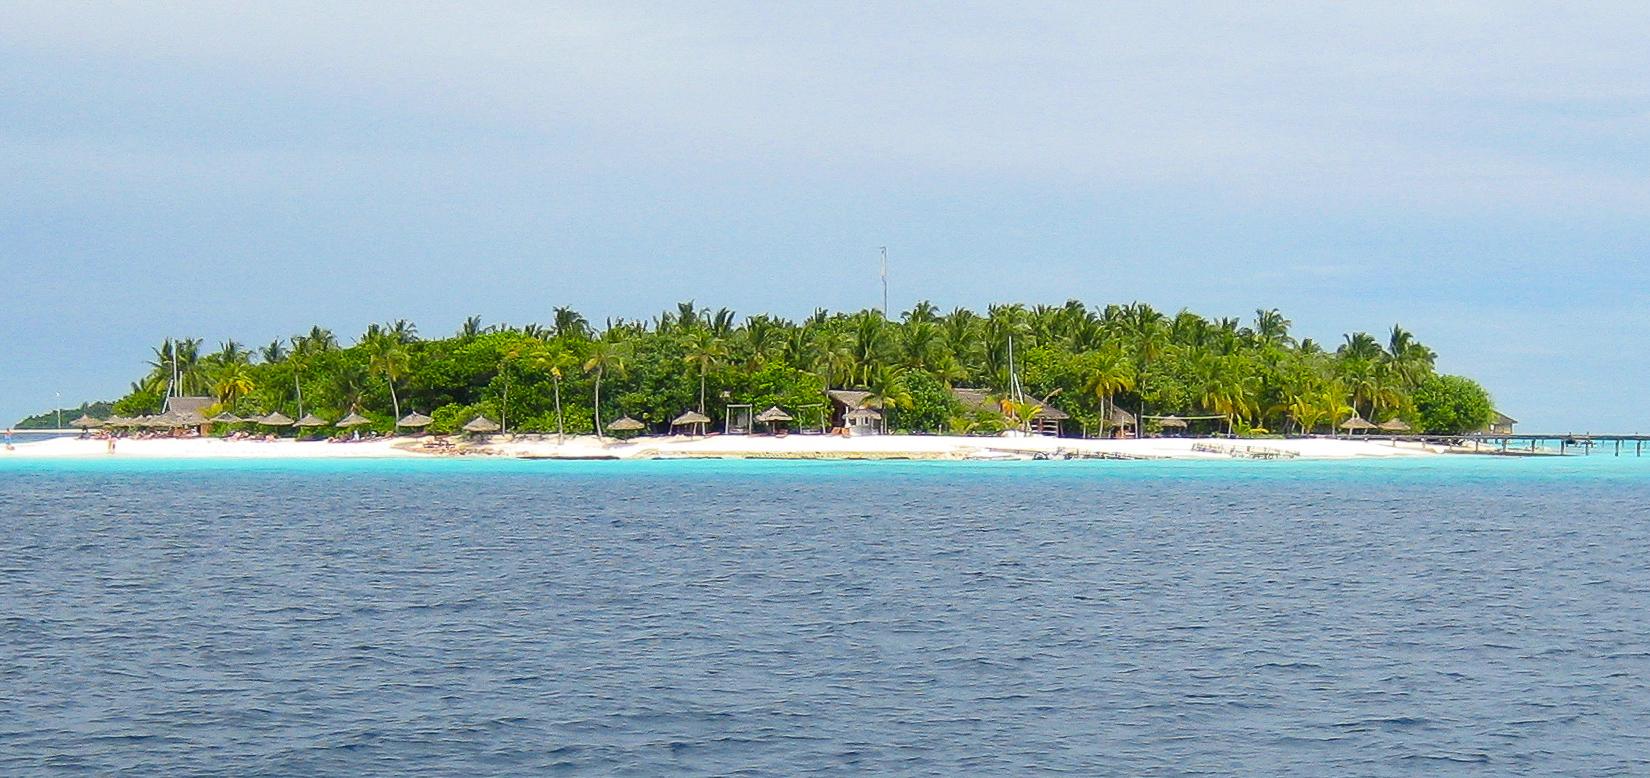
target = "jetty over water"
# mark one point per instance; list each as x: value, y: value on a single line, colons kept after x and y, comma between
x: 1540, y: 444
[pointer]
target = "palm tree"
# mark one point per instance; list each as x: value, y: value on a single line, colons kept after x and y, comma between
x: 388, y: 357
x: 229, y: 353
x: 1145, y: 328
x: 274, y: 352
x: 1019, y: 413
x: 1411, y: 362
x: 470, y: 328
x: 231, y: 382
x: 889, y: 391
x: 1109, y: 373
x: 921, y: 344
x: 321, y: 339
x: 923, y: 311
x: 605, y: 354
x: 705, y: 351
x: 568, y: 323
x: 1272, y: 329
x: 1224, y: 386
x: 870, y: 343
x: 508, y: 357
x: 550, y: 360
x: 763, y: 336
x: 404, y: 331
x: 305, y: 348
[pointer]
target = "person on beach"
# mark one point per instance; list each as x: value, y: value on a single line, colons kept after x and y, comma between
x: 8, y: 439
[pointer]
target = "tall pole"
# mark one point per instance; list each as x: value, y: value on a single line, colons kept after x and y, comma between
x: 884, y: 282
x: 59, y: 409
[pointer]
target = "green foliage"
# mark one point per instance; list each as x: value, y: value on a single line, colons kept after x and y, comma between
x: 1452, y: 405
x: 932, y: 404
x: 48, y: 420
x: 1083, y: 360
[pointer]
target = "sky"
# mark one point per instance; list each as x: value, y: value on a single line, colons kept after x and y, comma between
x: 1478, y: 172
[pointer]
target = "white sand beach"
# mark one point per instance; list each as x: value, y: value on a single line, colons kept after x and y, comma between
x: 937, y: 447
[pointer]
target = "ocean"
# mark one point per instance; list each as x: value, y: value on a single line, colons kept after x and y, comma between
x: 1451, y: 615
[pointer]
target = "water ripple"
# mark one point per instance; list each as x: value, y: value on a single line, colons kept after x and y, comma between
x: 788, y: 619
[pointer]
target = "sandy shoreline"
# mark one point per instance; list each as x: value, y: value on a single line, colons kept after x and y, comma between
x: 936, y: 447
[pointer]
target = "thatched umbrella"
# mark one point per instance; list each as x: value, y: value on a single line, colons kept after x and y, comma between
x: 1356, y: 423
x: 117, y: 420
x: 226, y: 418
x: 310, y: 420
x: 773, y: 416
x: 481, y: 425
x: 1394, y: 425
x: 276, y: 419
x: 1172, y: 421
x: 352, y: 420
x: 414, y: 419
x: 691, y: 418
x: 188, y: 419
x: 625, y: 424
x: 86, y: 422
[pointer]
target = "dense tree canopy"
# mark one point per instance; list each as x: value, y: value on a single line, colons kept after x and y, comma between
x: 1253, y: 376
x: 1450, y: 404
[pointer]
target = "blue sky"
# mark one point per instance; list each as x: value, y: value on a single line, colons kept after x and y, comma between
x: 1478, y: 172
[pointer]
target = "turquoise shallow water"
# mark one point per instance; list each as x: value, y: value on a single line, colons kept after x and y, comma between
x: 1445, y: 615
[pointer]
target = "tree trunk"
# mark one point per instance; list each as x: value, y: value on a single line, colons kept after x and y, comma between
x: 296, y: 387
x: 561, y: 431
x: 701, y: 389
x: 598, y: 403
x: 395, y: 402
x: 504, y: 412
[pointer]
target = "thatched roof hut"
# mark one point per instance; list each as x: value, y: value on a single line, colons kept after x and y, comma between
x: 1356, y: 423
x: 1500, y: 424
x: 276, y: 419
x: 979, y: 400
x: 352, y: 420
x: 414, y: 419
x: 772, y: 415
x: 849, y: 399
x: 625, y: 424
x: 181, y: 405
x: 863, y: 416
x: 691, y: 417
x: 481, y: 425
x: 310, y: 420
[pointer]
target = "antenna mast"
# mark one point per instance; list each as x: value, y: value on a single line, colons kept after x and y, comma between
x: 884, y: 282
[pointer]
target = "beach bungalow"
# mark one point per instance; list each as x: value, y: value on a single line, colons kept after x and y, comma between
x: 1049, y: 421
x: 863, y: 421
x: 1502, y: 424
x: 846, y: 401
x: 185, y: 405
x: 1122, y: 424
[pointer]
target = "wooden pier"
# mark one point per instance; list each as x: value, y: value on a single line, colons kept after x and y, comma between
x: 1538, y: 445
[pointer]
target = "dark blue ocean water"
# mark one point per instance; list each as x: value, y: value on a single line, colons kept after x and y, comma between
x: 1456, y: 616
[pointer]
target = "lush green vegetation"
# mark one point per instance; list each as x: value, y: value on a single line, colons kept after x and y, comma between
x: 569, y: 376
x: 49, y: 419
